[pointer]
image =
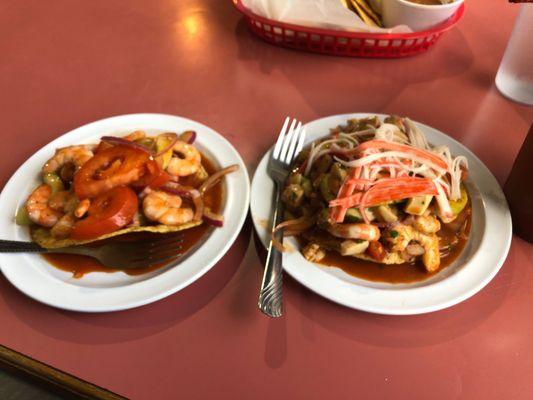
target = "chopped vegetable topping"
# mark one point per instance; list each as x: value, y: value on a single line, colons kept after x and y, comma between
x: 377, y: 182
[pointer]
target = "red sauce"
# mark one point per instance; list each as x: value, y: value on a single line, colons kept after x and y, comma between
x: 455, y: 234
x: 81, y: 265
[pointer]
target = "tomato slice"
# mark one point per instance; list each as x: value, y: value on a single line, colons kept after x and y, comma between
x: 153, y: 177
x: 160, y: 180
x: 115, y: 166
x: 108, y: 212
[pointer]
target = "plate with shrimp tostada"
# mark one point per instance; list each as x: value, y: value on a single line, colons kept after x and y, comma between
x: 386, y: 215
x: 130, y: 177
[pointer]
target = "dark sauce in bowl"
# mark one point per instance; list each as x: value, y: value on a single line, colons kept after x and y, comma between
x: 454, y: 235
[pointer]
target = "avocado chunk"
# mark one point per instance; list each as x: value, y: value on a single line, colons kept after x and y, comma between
x: 354, y: 215
x: 418, y: 205
x: 386, y: 213
x: 458, y: 205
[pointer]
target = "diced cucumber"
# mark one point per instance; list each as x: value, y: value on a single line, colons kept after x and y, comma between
x: 354, y: 215
x: 146, y: 142
x: 54, y: 181
x: 22, y: 218
x: 295, y: 179
x: 325, y: 190
x: 161, y: 143
x: 307, y: 186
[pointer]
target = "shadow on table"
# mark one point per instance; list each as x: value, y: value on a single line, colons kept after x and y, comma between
x: 485, y: 79
x: 130, y: 324
x: 382, y: 330
x: 276, y: 334
x: 316, y: 77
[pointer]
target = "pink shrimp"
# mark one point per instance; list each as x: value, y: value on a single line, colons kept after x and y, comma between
x: 38, y: 209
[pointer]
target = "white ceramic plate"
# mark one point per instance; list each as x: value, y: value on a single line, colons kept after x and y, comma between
x: 97, y: 292
x: 481, y: 259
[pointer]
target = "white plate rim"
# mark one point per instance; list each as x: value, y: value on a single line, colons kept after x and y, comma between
x: 394, y: 300
x: 65, y: 295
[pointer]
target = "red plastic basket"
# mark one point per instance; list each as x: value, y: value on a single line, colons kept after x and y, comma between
x: 341, y: 43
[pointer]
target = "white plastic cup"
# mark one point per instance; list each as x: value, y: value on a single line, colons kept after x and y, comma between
x: 515, y: 75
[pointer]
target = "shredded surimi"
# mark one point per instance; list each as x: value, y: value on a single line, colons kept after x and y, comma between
x: 416, y: 136
x: 389, y: 154
x: 412, y: 165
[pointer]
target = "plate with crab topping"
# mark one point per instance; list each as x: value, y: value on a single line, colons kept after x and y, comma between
x: 387, y: 215
x: 131, y: 177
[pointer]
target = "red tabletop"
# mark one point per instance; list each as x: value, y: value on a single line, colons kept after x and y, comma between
x: 67, y: 62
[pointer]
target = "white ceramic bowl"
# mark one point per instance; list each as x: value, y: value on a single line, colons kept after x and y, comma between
x: 418, y: 17
x: 479, y: 262
x: 100, y: 291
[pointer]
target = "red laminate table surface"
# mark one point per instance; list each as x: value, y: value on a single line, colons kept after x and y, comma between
x: 67, y: 62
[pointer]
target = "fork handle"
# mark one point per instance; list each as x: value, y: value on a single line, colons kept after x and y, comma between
x: 270, y: 296
x: 12, y: 246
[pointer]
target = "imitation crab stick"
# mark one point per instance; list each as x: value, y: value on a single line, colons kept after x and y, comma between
x: 347, y: 188
x: 387, y: 189
x: 391, y: 146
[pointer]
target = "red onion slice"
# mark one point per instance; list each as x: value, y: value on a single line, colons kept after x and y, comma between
x: 173, y: 140
x: 295, y: 226
x: 212, y: 218
x: 180, y: 190
x: 199, y: 207
x: 189, y: 192
x: 188, y: 137
x: 213, y: 179
x: 115, y: 141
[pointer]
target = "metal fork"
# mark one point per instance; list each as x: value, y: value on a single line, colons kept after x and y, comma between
x: 289, y: 144
x: 123, y: 255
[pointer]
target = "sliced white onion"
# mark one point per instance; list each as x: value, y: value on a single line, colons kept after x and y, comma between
x: 374, y: 157
x: 416, y: 136
x: 315, y: 150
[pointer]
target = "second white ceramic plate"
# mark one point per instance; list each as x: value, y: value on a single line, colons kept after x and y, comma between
x: 481, y: 259
x: 97, y: 292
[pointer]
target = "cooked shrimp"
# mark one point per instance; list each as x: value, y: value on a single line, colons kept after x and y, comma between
x: 38, y: 209
x: 63, y: 201
x: 402, y: 238
x: 427, y: 224
x: 64, y: 226
x: 166, y: 208
x: 187, y: 161
x: 82, y: 208
x: 355, y: 231
x: 76, y: 155
x: 431, y: 256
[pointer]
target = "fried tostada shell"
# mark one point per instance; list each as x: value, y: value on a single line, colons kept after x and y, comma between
x: 43, y: 238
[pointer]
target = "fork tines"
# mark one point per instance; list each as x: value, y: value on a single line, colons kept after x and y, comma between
x: 157, y: 250
x: 290, y: 142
